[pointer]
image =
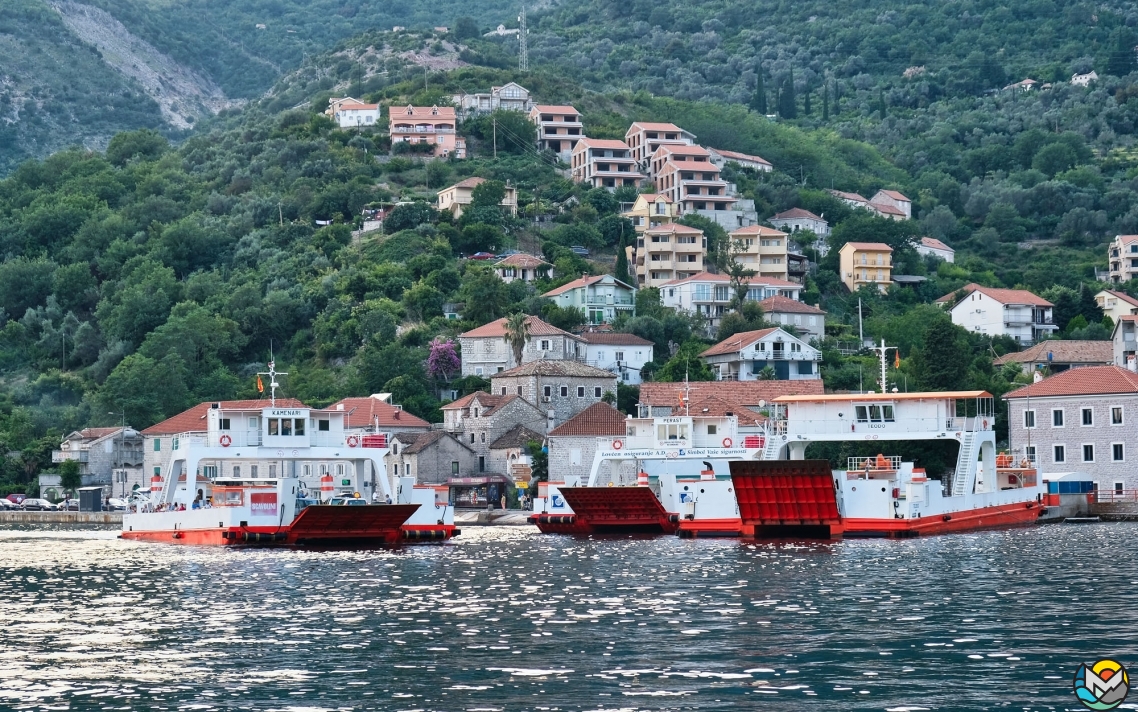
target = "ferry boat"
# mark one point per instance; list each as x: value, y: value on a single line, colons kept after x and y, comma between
x: 767, y: 488
x: 284, y: 475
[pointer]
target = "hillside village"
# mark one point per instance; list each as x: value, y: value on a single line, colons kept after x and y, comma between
x: 526, y: 398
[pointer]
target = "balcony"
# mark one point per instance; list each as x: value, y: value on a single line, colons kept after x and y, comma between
x: 421, y: 130
x: 594, y: 300
x: 64, y: 455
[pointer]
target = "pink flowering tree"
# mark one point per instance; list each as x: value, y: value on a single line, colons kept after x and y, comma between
x: 443, y: 359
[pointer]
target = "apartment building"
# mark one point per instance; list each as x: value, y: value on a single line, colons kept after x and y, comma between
x: 687, y: 176
x: 709, y: 294
x: 508, y: 97
x: 651, y: 210
x: 644, y: 138
x: 558, y: 128
x: 459, y: 196
x: 1123, y: 258
x: 1001, y: 312
x: 427, y: 124
x: 668, y: 252
x: 603, y: 163
x: 866, y: 263
x: 762, y: 249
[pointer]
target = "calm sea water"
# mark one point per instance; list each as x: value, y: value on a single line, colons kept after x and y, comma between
x: 508, y: 619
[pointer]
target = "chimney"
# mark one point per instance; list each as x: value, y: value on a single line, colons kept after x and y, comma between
x: 339, y: 406
x: 1037, y: 377
x: 1131, y: 364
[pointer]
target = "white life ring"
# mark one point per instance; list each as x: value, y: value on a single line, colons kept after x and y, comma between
x: 727, y: 442
x: 353, y: 440
x: 225, y: 441
x: 617, y: 444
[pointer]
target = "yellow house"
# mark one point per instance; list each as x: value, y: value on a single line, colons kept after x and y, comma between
x: 762, y: 249
x: 866, y: 263
x: 461, y: 194
x: 667, y: 252
x: 651, y: 210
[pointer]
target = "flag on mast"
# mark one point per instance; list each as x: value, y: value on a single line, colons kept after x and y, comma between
x: 260, y: 385
x: 897, y: 359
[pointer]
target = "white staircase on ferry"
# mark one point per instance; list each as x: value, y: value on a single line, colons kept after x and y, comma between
x: 772, y: 445
x: 965, y: 464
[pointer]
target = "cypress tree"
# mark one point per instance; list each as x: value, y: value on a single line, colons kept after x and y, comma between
x: 620, y: 271
x: 787, y: 105
x: 759, y: 100
x: 806, y: 102
x: 825, y: 101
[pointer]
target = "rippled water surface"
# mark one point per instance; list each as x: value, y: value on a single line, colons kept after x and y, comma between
x: 508, y: 619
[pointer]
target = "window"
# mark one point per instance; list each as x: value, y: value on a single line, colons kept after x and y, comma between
x: 1119, y: 487
x: 545, y: 344
x: 252, y: 423
x: 1088, y: 416
x: 711, y: 429
x: 1029, y: 419
x: 223, y: 423
x: 298, y: 426
x: 323, y: 425
x: 157, y: 444
x: 454, y: 468
x: 597, y: 392
x: 1029, y: 451
x: 1117, y: 453
x: 274, y: 426
x: 394, y: 448
x: 482, y: 437
x: 472, y: 438
x: 272, y: 470
x: 580, y: 391
x: 1116, y: 415
x: 478, y: 371
x: 503, y: 390
x: 481, y: 463
x: 1060, y: 454
x: 252, y: 470
x: 1088, y: 453
x: 237, y: 470
x: 1057, y: 418
x: 286, y: 426
x: 619, y: 355
x: 564, y: 391
x: 157, y: 471
x: 547, y: 391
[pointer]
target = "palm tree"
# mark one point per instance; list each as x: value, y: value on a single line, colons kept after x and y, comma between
x: 517, y: 334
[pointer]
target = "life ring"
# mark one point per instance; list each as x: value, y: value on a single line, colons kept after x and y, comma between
x: 617, y: 444
x: 353, y: 440
x: 727, y: 442
x: 225, y: 441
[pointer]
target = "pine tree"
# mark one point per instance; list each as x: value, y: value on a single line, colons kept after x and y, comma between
x: 759, y: 100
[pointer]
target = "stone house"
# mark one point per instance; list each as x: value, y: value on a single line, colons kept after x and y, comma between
x: 485, y: 351
x: 809, y: 321
x: 573, y: 445
x: 1083, y: 419
x: 480, y: 419
x: 561, y: 389
x: 743, y: 356
x: 1056, y: 355
x: 432, y: 458
x: 102, y: 453
x: 509, y: 454
x: 525, y: 267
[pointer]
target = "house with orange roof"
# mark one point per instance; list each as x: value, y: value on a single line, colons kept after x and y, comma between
x: 435, y: 125
x: 1055, y: 355
x: 619, y: 353
x: 458, y: 197
x: 930, y: 246
x: 895, y: 200
x: 521, y: 266
x: 866, y: 264
x: 808, y: 321
x: 709, y: 294
x: 1001, y: 312
x: 573, y: 444
x: 762, y: 249
x: 660, y: 399
x: 1083, y: 419
x: 600, y: 298
x: 644, y: 137
x: 376, y: 414
x: 485, y: 351
x: 747, y: 356
x: 604, y: 163
x: 651, y: 210
x: 669, y: 251
x: 797, y: 219
x: 1123, y: 258
x: 854, y: 200
x: 559, y: 128
x: 721, y: 157
x: 349, y: 113
x: 1116, y: 304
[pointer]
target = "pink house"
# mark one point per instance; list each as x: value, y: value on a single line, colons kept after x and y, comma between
x: 427, y: 124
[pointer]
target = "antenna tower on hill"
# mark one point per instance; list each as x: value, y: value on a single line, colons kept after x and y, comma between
x: 523, y: 50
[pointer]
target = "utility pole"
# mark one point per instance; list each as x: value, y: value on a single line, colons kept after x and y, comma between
x: 860, y: 335
x: 494, y: 121
x: 523, y: 50
x: 280, y: 212
x: 424, y: 77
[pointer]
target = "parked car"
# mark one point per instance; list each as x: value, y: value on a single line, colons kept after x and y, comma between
x: 5, y: 505
x: 34, y: 504
x: 116, y: 505
x: 483, y: 256
x: 70, y: 504
x: 579, y: 250
x: 16, y: 498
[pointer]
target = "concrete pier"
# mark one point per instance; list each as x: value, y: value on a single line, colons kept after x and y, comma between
x: 60, y: 518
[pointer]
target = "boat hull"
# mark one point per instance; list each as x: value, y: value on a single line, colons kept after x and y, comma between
x: 995, y: 517
x: 609, y: 510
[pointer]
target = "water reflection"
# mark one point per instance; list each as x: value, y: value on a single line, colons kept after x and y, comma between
x: 512, y: 620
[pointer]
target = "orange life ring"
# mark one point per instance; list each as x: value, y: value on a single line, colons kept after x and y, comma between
x: 225, y: 441
x: 727, y: 442
x: 617, y: 444
x: 353, y: 440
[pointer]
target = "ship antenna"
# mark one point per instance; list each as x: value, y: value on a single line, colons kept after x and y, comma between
x: 687, y: 393
x: 272, y: 373
x: 882, y: 350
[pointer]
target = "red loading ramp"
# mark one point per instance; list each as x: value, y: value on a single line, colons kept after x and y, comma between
x: 619, y: 508
x: 331, y: 523
x: 785, y: 493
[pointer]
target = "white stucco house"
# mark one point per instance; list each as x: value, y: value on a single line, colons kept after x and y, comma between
x: 623, y: 354
x: 1001, y: 312
x: 744, y: 356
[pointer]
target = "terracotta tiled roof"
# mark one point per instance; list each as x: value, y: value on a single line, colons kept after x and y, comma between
x: 444, y: 113
x: 736, y: 343
x: 96, y: 433
x: 599, y: 143
x: 888, y: 209
x: 516, y: 436
x: 599, y: 420
x: 650, y: 126
x: 653, y: 197
x: 709, y: 277
x: 741, y: 156
x: 522, y: 260
x: 748, y: 393
x: 761, y: 230
x: 796, y: 213
x: 785, y: 305
x: 684, y: 149
x: 1087, y: 381
x: 716, y: 406
x: 425, y: 440
x: 848, y: 196
x: 880, y: 246
x: 555, y: 109
x: 574, y: 369
x: 578, y: 283
x: 613, y: 338
x: 933, y: 243
x: 674, y: 229
x: 1123, y: 296
x: 1126, y: 239
x: 362, y: 412
x: 488, y: 400
x: 895, y: 195
x: 497, y: 328
x: 472, y: 182
x: 1003, y: 296
x: 193, y: 419
x: 1096, y: 352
